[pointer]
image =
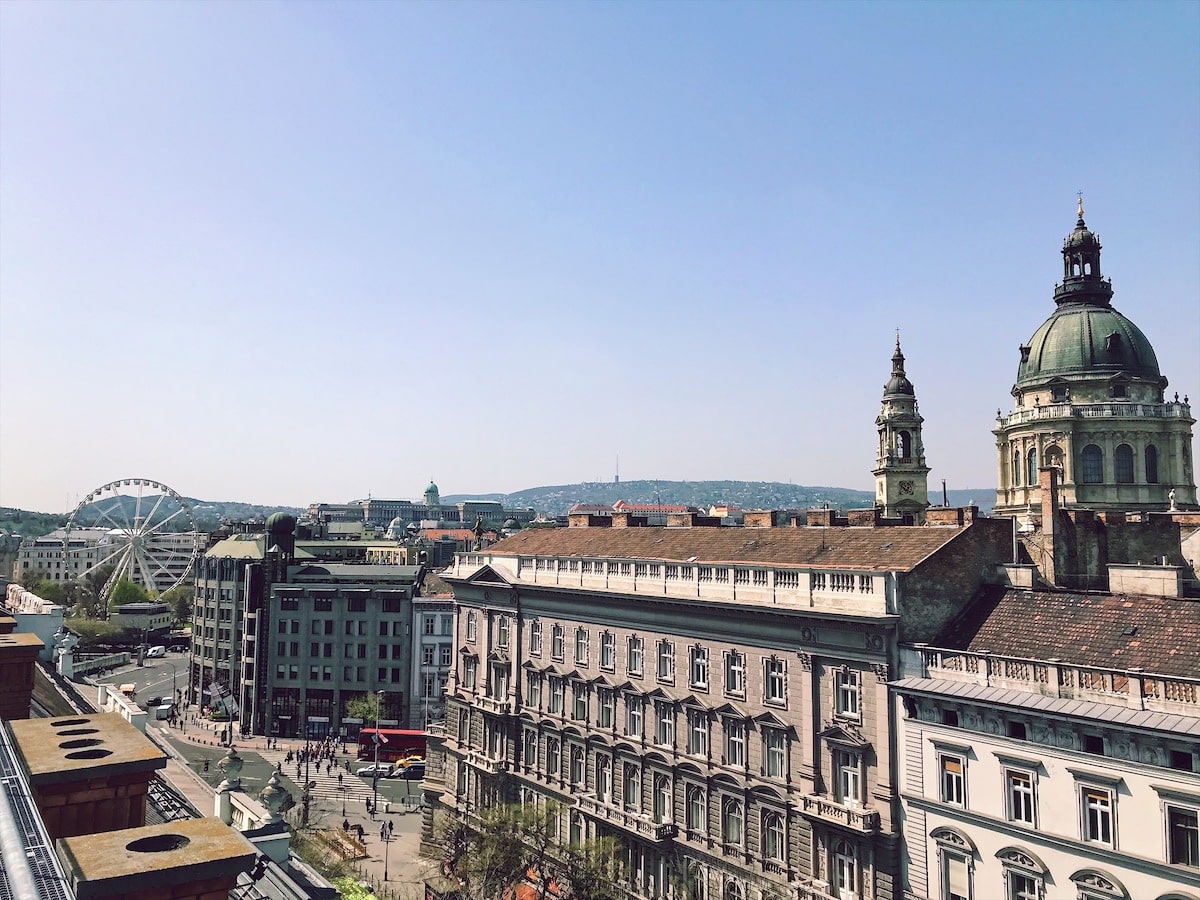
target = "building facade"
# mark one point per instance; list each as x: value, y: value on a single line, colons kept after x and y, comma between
x: 283, y: 639
x: 714, y: 697
x: 1091, y: 401
x: 1063, y: 767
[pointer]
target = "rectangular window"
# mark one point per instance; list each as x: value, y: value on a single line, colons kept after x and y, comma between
x: 557, y: 643
x: 666, y: 661
x: 581, y: 647
x: 633, y: 716
x: 735, y: 673
x: 580, y: 712
x: 953, y: 769
x: 1097, y: 814
x: 697, y: 733
x: 735, y: 743
x: 553, y: 756
x: 846, y: 695
x: 665, y: 729
x: 1021, y: 886
x: 774, y: 680
x: 848, y: 777
x: 533, y: 690
x: 1019, y: 788
x: 607, y: 706
x: 1183, y: 837
x: 698, y: 667
x: 775, y: 752
x: 502, y: 629
x: 445, y: 654
x: 472, y: 625
x: 957, y: 877
x: 556, y: 696
x: 535, y: 638
x: 634, y: 662
x: 608, y: 651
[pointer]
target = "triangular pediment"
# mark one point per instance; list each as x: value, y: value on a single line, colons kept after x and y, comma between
x: 658, y: 694
x: 729, y: 709
x: 500, y: 656
x: 602, y: 681
x: 487, y: 575
x: 845, y: 735
x: 695, y: 702
x: 769, y: 718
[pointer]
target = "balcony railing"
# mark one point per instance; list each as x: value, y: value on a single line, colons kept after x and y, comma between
x: 485, y: 763
x: 1053, y: 678
x: 494, y: 705
x: 863, y: 820
x: 1097, y: 410
x: 634, y: 822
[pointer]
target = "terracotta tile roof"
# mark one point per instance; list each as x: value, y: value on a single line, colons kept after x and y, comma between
x: 1158, y: 634
x: 454, y: 534
x: 898, y: 549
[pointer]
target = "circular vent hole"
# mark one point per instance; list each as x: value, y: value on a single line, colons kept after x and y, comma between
x: 94, y: 753
x: 63, y: 723
x: 80, y: 742
x: 158, y: 843
x: 80, y: 731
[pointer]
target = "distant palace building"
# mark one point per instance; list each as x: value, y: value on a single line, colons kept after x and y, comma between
x: 385, y: 513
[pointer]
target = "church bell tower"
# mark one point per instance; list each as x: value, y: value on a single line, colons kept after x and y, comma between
x: 901, y: 476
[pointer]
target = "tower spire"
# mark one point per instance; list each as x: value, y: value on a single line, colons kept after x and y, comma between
x: 901, y: 476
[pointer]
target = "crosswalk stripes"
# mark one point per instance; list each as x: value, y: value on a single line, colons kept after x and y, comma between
x: 327, y: 786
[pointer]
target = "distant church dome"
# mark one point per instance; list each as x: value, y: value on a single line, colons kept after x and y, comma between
x: 280, y: 523
x: 432, y: 489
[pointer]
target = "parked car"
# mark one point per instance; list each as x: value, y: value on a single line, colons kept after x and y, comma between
x: 412, y: 771
x: 380, y: 769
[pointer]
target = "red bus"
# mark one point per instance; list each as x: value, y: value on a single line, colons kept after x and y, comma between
x: 396, y: 743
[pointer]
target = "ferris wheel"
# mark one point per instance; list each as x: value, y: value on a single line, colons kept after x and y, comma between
x: 139, y: 529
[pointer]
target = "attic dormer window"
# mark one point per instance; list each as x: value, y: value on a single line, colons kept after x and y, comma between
x: 1060, y: 393
x: 1118, y: 391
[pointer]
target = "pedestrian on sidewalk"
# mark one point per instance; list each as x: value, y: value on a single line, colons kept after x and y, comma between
x: 391, y: 827
x: 383, y: 832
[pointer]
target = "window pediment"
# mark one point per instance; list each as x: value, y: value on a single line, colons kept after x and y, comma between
x: 952, y: 837
x: 487, y: 575
x: 1022, y: 859
x: 1100, y: 882
x: 843, y: 734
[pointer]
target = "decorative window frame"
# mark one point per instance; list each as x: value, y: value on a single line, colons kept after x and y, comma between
x: 847, y: 694
x: 1094, y: 781
x: 952, y: 843
x: 535, y: 638
x: 775, y: 681
x: 1170, y: 798
x: 1018, y: 860
x: 1096, y: 884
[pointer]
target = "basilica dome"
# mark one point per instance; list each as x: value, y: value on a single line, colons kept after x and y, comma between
x: 1081, y: 339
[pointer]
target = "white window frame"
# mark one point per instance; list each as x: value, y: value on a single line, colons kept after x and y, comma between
x: 557, y: 695
x: 582, y: 645
x: 634, y: 716
x: 774, y: 836
x: 635, y: 660
x: 848, y: 693
x: 631, y: 788
x: 1028, y: 794
x: 606, y: 708
x: 698, y: 667
x: 735, y: 673
x: 735, y: 743
x: 603, y: 778
x: 848, y: 777
x: 558, y: 641
x: 665, y: 667
x: 696, y: 813
x: 608, y: 651
x: 952, y: 778
x: 775, y: 681
x: 1105, y: 813
x: 697, y: 732
x: 535, y: 638
x: 1185, y: 809
x: 664, y: 726
x: 733, y: 811
x: 472, y: 626
x: 775, y: 744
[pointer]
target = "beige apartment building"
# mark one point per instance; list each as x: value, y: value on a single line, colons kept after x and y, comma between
x: 716, y: 697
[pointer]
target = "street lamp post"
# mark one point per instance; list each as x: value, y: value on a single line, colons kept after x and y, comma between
x: 387, y: 842
x: 342, y: 790
x: 375, y: 770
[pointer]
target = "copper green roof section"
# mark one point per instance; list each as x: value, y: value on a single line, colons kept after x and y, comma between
x: 1088, y: 341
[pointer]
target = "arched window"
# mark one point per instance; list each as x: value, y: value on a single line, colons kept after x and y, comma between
x: 734, y: 890
x: 1123, y: 464
x: 1016, y: 469
x: 633, y: 788
x: 772, y: 836
x: 845, y: 868
x: 696, y: 810
x: 1032, y: 477
x: 904, y: 444
x: 662, y: 799
x: 576, y: 836
x: 1151, y: 464
x: 603, y: 779
x: 576, y: 765
x: 1092, y: 468
x: 731, y: 821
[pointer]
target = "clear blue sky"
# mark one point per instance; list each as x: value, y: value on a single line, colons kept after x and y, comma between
x: 286, y: 252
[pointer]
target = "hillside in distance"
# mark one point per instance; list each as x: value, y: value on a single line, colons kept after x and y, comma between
x: 556, y: 500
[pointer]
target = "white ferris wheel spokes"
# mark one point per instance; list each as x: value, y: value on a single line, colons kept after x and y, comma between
x: 134, y: 528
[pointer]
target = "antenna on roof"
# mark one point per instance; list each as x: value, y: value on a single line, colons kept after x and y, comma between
x: 617, y: 476
x: 945, y: 496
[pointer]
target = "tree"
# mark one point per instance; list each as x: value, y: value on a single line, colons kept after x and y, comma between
x: 180, y: 598
x: 125, y: 592
x: 512, y: 845
x: 368, y: 707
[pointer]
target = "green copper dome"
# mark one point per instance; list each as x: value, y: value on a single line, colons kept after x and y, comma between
x: 1087, y: 340
x: 432, y: 489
